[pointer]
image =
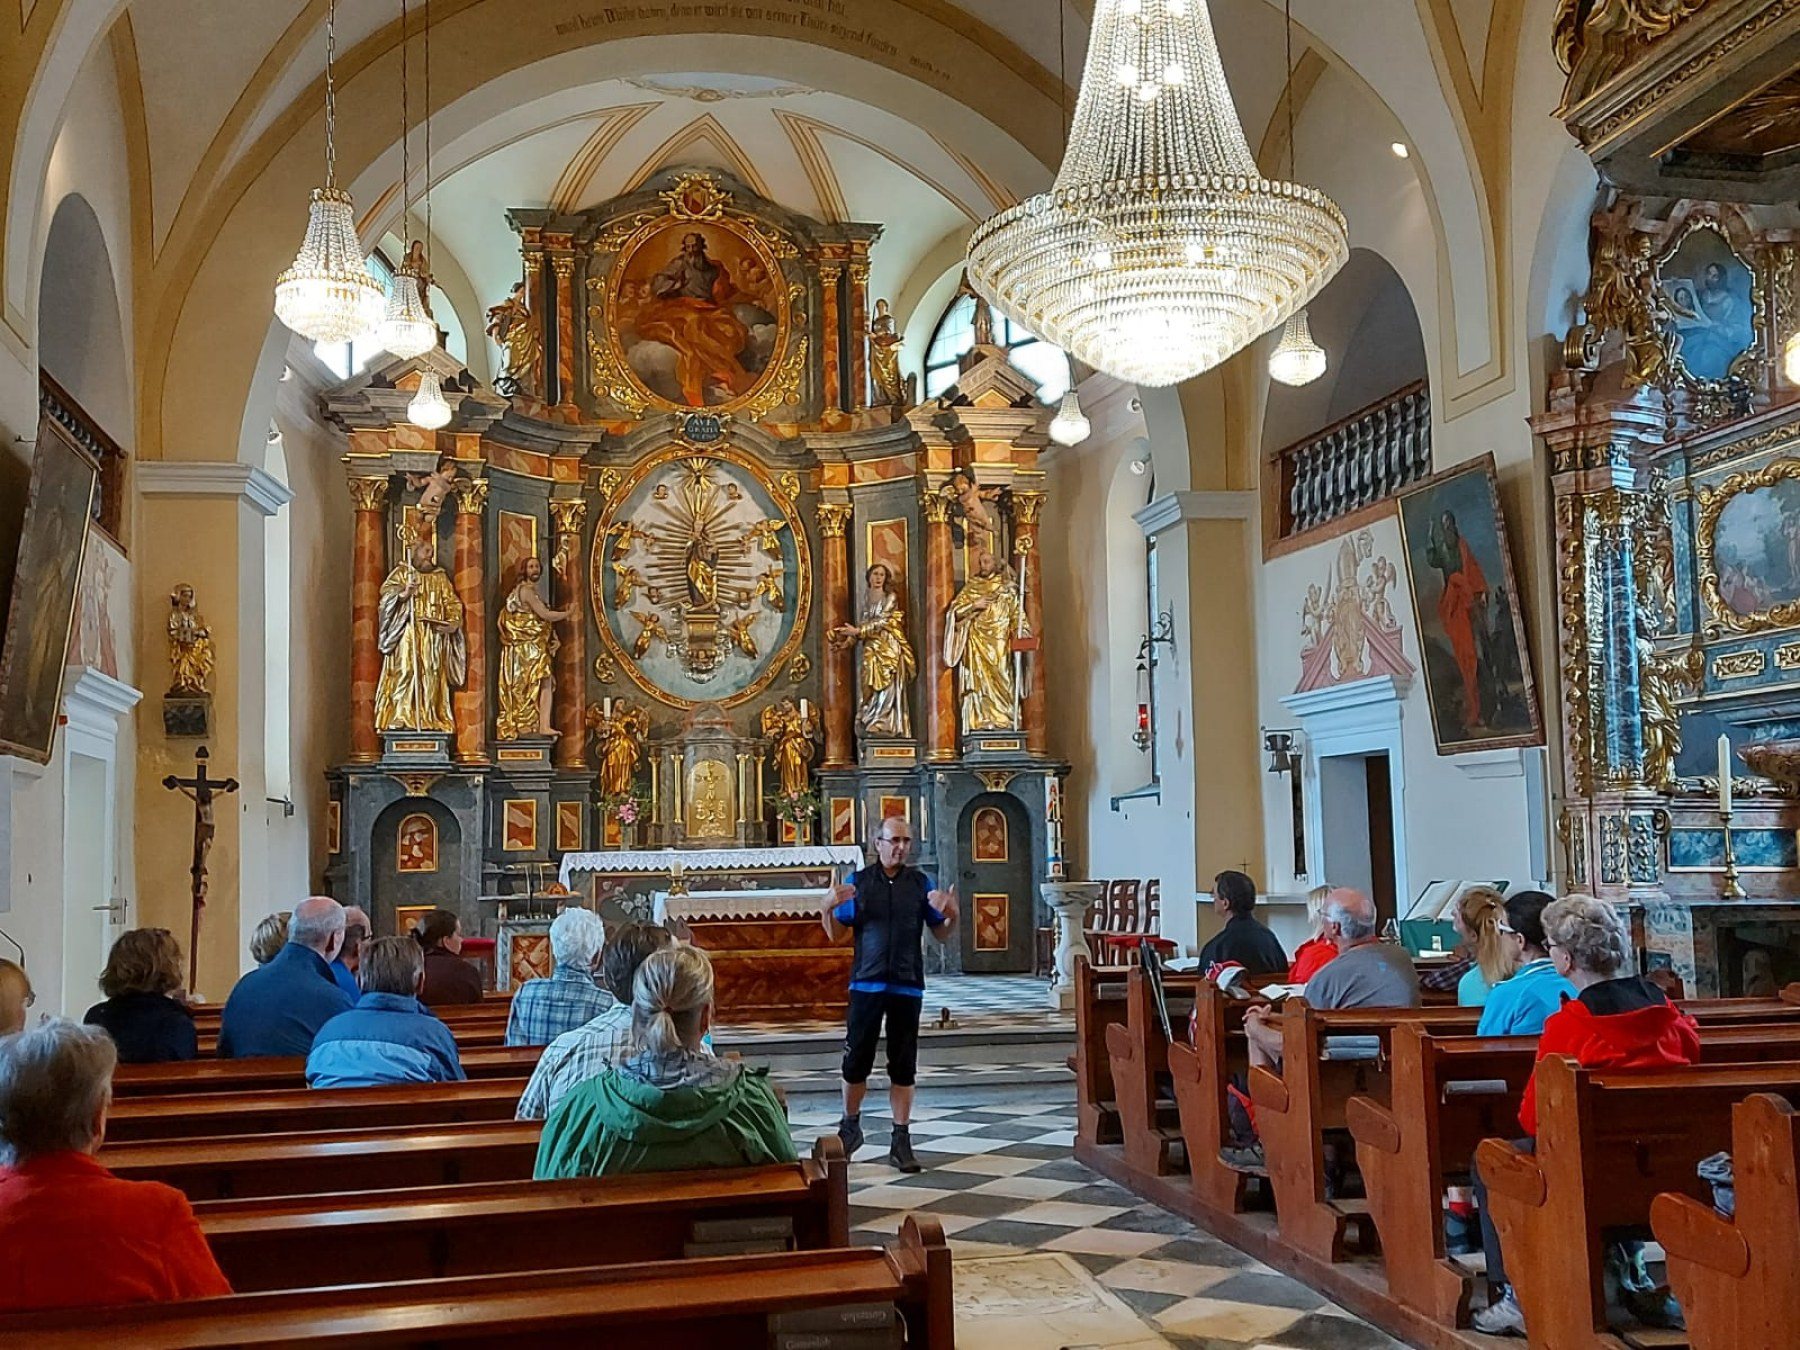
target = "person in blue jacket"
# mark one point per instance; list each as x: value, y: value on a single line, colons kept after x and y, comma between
x: 389, y: 1036
x: 1519, y: 1005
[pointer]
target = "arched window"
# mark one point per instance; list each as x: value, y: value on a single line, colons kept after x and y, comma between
x: 1040, y: 362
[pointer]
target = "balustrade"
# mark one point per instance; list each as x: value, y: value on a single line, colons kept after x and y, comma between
x: 1363, y: 459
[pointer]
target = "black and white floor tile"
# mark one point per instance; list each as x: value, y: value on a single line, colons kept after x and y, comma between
x: 1051, y: 1256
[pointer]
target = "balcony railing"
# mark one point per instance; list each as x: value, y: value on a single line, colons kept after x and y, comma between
x: 60, y: 407
x: 1363, y: 459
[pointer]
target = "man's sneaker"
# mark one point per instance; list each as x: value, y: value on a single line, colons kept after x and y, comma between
x: 900, y: 1150
x: 1245, y: 1158
x: 1502, y: 1317
x: 849, y: 1131
x: 1654, y: 1308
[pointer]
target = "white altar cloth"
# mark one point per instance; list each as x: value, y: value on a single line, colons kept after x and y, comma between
x: 677, y: 860
x: 739, y: 904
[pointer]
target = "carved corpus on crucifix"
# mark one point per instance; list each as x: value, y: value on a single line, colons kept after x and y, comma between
x: 200, y: 790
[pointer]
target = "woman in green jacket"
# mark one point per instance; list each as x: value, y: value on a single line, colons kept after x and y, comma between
x: 671, y: 1105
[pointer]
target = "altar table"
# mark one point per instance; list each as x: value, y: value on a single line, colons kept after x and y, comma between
x: 771, y: 959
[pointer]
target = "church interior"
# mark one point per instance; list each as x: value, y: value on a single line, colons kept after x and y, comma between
x: 1177, y: 473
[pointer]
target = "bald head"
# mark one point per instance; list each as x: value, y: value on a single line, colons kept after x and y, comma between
x: 318, y: 924
x: 1349, y: 916
x: 892, y: 841
x: 15, y: 997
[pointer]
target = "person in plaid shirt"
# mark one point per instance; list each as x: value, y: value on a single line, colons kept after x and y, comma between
x: 543, y: 1009
x: 576, y: 1056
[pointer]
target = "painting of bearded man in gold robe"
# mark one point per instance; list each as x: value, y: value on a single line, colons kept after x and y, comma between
x: 697, y: 330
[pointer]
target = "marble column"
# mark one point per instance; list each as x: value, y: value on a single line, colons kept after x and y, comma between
x: 940, y: 680
x: 1026, y: 507
x: 562, y: 265
x: 567, y: 515
x: 368, y: 568
x: 471, y: 701
x: 541, y: 302
x: 837, y: 679
x: 830, y: 347
x: 859, y: 336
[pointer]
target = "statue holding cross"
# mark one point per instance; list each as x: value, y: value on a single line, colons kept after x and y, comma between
x: 200, y: 790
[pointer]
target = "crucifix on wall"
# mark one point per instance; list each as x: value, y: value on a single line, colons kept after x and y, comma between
x: 200, y: 790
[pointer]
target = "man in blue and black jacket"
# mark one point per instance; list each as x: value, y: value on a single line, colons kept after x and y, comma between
x: 887, y: 908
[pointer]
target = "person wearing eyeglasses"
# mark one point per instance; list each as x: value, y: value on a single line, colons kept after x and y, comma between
x: 15, y: 997
x: 887, y: 908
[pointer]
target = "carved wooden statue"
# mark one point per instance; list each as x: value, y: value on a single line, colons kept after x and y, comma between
x: 888, y: 665
x: 423, y: 653
x: 619, y: 730
x: 190, y: 646
x: 527, y: 644
x: 791, y: 731
x: 979, y: 628
x: 510, y: 324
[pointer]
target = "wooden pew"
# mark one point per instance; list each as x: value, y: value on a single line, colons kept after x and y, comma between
x: 469, y: 1034
x: 1608, y: 1144
x: 1139, y: 1060
x: 397, y: 1157
x: 265, y: 1075
x: 1099, y: 1002
x: 1737, y: 1279
x: 493, y: 1227
x: 208, y: 1114
x: 658, y: 1305
x: 1424, y: 1138
x: 1199, y: 1073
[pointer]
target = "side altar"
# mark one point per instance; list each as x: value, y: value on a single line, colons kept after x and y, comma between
x: 695, y: 574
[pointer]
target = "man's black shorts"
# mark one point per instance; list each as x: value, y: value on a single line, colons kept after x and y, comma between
x: 867, y: 1011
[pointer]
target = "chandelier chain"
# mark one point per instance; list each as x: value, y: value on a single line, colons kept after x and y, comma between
x: 1287, y: 33
x: 330, y: 95
x: 429, y: 237
x: 405, y: 129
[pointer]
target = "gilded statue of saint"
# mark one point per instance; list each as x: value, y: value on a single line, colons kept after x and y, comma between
x: 790, y: 732
x: 190, y: 645
x: 527, y: 642
x: 619, y: 730
x: 703, y: 574
x: 887, y: 657
x: 979, y: 628
x: 884, y: 359
x: 1662, y: 679
x: 510, y: 324
x: 423, y: 653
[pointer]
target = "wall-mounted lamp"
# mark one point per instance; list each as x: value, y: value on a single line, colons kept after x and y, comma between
x: 1283, y: 757
x: 1161, y: 634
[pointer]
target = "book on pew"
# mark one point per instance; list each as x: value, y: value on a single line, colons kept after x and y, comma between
x: 844, y: 1317
x: 1476, y: 1087
x: 756, y: 1228
x: 883, y: 1338
x: 748, y: 1247
x: 1350, y: 1047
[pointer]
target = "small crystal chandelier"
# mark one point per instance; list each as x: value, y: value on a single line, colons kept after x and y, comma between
x: 1161, y: 250
x: 407, y: 329
x: 428, y: 408
x: 327, y: 294
x: 1070, y: 425
x: 1297, y: 359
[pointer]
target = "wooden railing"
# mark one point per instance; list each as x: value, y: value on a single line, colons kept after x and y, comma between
x: 1356, y: 462
x: 60, y: 407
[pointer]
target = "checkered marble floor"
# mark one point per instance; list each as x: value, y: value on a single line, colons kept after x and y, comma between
x: 1050, y: 1256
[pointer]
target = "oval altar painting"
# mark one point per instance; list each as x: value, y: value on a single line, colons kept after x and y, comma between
x: 1756, y: 548
x: 697, y: 312
x: 1709, y: 303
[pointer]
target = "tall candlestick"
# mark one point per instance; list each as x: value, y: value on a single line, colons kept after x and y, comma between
x: 1724, y: 774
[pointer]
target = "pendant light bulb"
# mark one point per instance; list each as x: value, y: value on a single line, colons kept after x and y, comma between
x: 1070, y: 425
x: 1297, y: 359
x: 1790, y: 358
x: 428, y: 408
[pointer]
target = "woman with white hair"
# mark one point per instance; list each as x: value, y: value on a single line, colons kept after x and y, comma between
x: 71, y: 1233
x: 672, y: 1105
x: 569, y: 996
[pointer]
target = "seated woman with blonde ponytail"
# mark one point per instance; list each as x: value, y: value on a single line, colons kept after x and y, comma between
x: 1480, y: 917
x: 669, y: 1104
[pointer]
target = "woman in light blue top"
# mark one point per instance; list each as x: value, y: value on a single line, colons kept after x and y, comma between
x: 1520, y: 1005
x: 1480, y: 915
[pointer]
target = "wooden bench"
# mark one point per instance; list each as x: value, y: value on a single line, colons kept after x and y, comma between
x: 493, y: 1227
x: 263, y: 1075
x: 1199, y: 1073
x: 1447, y: 1094
x: 1138, y: 1051
x: 1737, y: 1279
x: 658, y: 1305
x: 397, y: 1157
x: 470, y: 1034
x: 209, y: 1114
x: 1607, y: 1145
x: 1099, y: 1002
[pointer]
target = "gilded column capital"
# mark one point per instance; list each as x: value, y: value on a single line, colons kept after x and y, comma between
x: 937, y: 509
x: 563, y: 264
x: 568, y: 513
x: 859, y: 272
x: 1026, y: 505
x: 830, y: 270
x: 471, y: 496
x: 368, y: 494
x: 834, y: 518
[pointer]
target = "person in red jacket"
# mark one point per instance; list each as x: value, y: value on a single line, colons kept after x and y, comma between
x: 1615, y: 1021
x: 71, y: 1233
x: 1313, y: 954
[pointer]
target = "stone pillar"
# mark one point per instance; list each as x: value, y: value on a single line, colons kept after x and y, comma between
x: 859, y: 333
x: 567, y: 514
x: 1070, y: 902
x: 538, y: 297
x: 562, y: 265
x: 368, y: 568
x: 830, y: 348
x: 837, y: 679
x: 940, y: 680
x: 1026, y: 506
x: 471, y: 701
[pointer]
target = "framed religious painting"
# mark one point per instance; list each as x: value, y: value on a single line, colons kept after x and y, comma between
x: 1747, y: 549
x: 46, y: 579
x: 1709, y: 300
x: 1466, y: 604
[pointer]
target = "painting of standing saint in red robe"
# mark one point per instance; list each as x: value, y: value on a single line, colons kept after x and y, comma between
x: 1471, y: 635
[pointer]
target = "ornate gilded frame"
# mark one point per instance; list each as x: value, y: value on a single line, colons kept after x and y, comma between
x: 618, y: 489
x: 1712, y: 501
x: 695, y: 199
x: 1747, y: 363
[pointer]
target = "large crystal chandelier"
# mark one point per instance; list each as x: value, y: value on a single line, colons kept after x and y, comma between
x: 1161, y: 249
x: 327, y: 294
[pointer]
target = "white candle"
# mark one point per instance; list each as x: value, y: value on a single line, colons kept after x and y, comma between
x: 1724, y: 774
x: 802, y: 710
x: 606, y: 707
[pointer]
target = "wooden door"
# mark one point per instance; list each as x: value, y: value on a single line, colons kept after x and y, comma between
x: 995, y: 885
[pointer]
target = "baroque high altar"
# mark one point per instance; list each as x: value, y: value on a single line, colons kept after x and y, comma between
x: 694, y: 573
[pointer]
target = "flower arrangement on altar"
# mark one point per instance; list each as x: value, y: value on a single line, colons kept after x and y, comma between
x: 627, y: 807
x: 797, y: 808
